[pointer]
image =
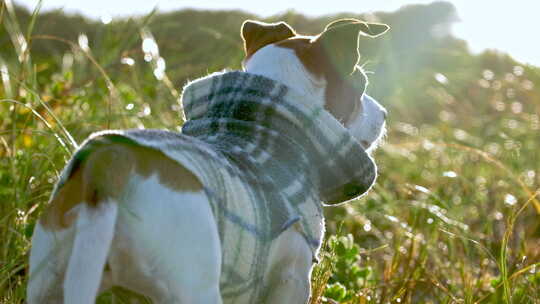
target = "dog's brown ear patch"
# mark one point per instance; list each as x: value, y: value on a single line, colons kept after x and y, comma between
x: 366, y: 28
x: 257, y: 35
x: 339, y: 42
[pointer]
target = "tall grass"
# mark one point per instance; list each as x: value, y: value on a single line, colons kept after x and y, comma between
x: 453, y: 217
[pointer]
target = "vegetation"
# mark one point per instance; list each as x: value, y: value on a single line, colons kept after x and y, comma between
x: 454, y: 217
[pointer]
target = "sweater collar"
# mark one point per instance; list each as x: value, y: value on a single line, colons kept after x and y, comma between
x: 264, y: 113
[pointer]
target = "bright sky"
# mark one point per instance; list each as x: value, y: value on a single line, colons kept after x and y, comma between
x: 509, y: 26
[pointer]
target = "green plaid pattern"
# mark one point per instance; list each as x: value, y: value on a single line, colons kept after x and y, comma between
x: 267, y: 157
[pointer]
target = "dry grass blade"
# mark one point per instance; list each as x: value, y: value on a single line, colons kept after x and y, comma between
x: 110, y: 84
x: 34, y: 112
x: 504, y: 247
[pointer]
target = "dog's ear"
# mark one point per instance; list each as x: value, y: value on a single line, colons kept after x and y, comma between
x: 258, y: 34
x: 366, y: 28
x: 339, y: 41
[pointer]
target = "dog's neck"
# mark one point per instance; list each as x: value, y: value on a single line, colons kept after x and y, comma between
x: 240, y: 113
x: 283, y: 65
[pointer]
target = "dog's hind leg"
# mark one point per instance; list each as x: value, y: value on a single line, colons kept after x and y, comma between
x: 48, y: 262
x: 287, y: 279
x: 172, y: 236
x: 191, y: 258
x: 95, y: 231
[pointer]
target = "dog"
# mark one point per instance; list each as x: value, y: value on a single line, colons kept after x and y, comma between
x: 138, y: 209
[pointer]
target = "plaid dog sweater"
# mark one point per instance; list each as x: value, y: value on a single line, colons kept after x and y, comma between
x: 267, y: 157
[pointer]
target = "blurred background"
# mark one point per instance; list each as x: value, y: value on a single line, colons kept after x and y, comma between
x: 497, y: 25
x: 454, y: 217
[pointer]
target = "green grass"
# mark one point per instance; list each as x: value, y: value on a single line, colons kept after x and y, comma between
x: 454, y: 217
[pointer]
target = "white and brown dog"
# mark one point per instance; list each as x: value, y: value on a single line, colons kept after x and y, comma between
x: 87, y: 240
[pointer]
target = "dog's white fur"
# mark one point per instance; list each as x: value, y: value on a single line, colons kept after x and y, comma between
x: 282, y: 64
x: 164, y: 244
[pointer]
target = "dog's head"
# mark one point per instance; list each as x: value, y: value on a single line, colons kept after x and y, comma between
x: 324, y: 67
